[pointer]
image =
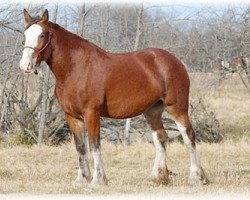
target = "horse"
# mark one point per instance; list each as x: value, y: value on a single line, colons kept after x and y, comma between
x: 92, y: 83
x: 219, y: 66
x: 238, y: 64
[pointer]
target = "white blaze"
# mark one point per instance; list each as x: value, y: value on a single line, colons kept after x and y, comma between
x: 31, y: 40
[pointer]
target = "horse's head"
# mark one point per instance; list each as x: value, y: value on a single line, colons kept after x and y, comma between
x: 37, y: 46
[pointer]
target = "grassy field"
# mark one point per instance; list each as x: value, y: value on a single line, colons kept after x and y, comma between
x: 51, y: 170
x: 230, y: 101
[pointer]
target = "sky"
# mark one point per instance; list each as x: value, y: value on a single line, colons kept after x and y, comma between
x: 180, y: 8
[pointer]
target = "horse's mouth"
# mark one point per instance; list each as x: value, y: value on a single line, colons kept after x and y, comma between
x: 28, y: 72
x: 31, y: 71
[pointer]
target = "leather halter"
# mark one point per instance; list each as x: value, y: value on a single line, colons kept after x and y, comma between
x: 39, y: 51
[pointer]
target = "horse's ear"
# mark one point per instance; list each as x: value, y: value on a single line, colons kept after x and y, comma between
x: 45, y: 17
x: 27, y: 17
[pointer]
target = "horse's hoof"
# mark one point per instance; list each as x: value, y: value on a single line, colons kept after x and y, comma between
x: 198, y: 177
x: 160, y: 179
x: 99, y: 182
x: 198, y: 181
x: 78, y: 181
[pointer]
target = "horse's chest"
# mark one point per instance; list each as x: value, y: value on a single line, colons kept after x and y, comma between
x: 68, y: 102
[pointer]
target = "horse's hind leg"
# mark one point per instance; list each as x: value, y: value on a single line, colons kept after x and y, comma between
x: 153, y: 116
x: 82, y: 146
x: 181, y: 118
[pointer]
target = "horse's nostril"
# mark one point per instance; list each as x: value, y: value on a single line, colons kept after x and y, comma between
x: 29, y: 65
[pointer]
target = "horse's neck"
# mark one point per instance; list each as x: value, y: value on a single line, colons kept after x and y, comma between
x: 63, y: 44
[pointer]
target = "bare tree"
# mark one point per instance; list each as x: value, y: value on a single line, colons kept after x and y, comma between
x: 200, y: 37
x: 136, y: 44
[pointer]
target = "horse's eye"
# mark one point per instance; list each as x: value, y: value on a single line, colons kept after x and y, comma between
x: 42, y: 36
x: 23, y: 42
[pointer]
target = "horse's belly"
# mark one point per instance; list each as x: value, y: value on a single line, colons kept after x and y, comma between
x: 129, y: 107
x: 125, y: 100
x: 123, y: 112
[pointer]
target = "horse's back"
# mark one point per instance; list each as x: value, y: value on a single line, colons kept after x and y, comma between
x: 137, y: 80
x: 159, y: 65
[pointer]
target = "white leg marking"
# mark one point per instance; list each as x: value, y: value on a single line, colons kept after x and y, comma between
x: 83, y: 169
x: 195, y: 168
x: 83, y: 161
x: 160, y: 156
x: 79, y: 178
x: 98, y: 174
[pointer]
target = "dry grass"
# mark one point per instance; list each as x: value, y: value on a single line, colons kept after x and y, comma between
x: 230, y: 101
x: 51, y: 170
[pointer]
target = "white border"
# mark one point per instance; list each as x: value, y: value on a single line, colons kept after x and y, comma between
x: 223, y: 196
x: 165, y: 2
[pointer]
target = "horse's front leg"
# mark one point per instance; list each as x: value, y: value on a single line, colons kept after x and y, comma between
x: 92, y: 120
x: 82, y: 146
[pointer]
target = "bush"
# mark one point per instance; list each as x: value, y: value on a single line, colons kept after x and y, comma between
x: 205, y: 122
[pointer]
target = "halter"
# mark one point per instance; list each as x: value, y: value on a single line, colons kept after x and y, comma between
x: 40, y: 50
x: 37, y: 50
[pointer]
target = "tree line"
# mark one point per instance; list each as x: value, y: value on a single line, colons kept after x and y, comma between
x: 207, y: 39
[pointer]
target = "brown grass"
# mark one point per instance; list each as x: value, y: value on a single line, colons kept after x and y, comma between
x: 51, y: 170
x: 230, y: 102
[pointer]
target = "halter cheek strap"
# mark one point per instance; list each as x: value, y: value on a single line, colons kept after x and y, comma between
x: 44, y: 47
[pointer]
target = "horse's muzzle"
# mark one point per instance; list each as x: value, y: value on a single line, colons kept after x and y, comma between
x: 29, y: 72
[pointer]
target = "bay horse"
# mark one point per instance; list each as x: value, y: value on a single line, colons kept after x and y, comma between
x: 93, y: 83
